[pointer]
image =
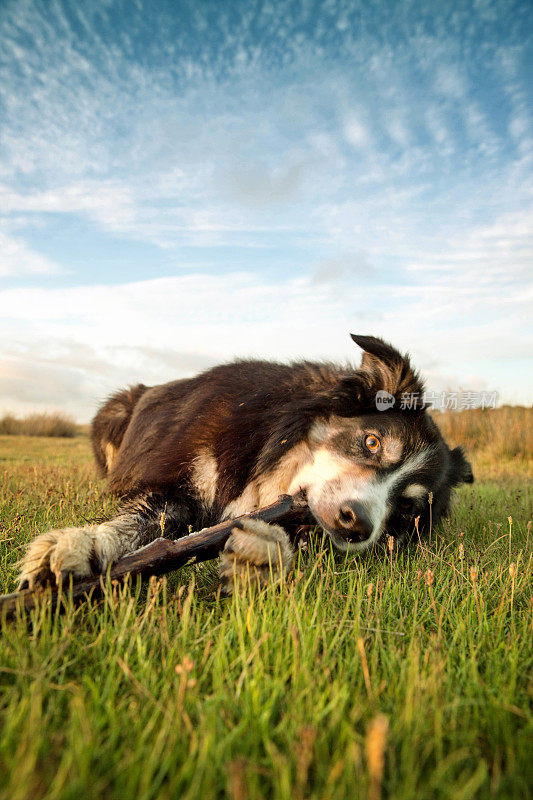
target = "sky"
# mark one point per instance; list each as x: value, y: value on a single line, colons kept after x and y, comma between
x: 182, y: 183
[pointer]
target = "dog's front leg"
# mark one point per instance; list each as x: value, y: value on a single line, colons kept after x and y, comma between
x: 92, y: 548
x: 255, y: 551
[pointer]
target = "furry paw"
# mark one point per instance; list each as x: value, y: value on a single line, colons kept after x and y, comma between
x: 70, y: 551
x: 258, y: 550
x: 55, y: 554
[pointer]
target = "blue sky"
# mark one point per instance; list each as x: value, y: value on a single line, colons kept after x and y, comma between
x: 181, y: 183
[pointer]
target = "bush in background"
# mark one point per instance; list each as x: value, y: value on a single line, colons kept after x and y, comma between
x: 505, y: 432
x: 47, y: 424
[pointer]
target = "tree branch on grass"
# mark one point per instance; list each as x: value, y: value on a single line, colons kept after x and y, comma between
x: 160, y: 556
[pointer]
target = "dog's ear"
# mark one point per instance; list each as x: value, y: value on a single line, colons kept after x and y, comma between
x: 390, y: 370
x: 375, y: 349
x: 461, y: 470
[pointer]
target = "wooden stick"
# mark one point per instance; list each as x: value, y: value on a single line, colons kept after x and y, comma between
x: 160, y: 556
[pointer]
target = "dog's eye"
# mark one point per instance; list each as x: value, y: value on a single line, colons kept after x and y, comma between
x: 372, y: 443
x: 406, y: 504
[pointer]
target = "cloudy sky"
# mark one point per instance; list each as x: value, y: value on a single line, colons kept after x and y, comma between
x: 183, y: 182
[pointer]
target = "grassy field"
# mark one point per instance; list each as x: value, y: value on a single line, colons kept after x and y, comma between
x: 403, y: 675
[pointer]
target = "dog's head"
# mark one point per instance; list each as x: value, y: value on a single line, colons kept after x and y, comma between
x: 375, y: 471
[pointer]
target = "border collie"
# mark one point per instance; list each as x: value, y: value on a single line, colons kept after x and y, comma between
x: 201, y: 450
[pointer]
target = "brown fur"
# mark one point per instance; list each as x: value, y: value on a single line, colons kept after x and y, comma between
x: 109, y: 425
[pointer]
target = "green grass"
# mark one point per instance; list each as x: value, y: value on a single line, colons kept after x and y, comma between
x: 170, y: 691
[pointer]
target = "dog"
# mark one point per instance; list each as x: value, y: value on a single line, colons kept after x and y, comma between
x: 205, y: 449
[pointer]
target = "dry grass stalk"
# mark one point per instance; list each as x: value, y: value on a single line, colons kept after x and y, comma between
x: 364, y: 664
x: 376, y: 742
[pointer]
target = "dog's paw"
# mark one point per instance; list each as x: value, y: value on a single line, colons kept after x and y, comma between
x: 53, y: 555
x: 258, y: 550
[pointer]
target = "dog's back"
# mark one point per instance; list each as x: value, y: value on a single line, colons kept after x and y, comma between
x: 109, y: 425
x: 154, y: 438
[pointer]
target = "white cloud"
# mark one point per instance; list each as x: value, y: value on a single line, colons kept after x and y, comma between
x: 519, y: 126
x: 487, y: 255
x: 76, y: 378
x: 262, y: 186
x: 17, y: 259
x: 345, y: 267
x: 450, y: 82
x: 107, y: 202
x: 355, y: 132
x: 398, y: 130
x: 90, y: 339
x: 438, y: 128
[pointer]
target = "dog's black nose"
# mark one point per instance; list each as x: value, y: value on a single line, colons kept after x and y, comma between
x: 353, y: 522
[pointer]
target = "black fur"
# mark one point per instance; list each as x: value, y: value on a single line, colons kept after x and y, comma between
x: 248, y: 414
